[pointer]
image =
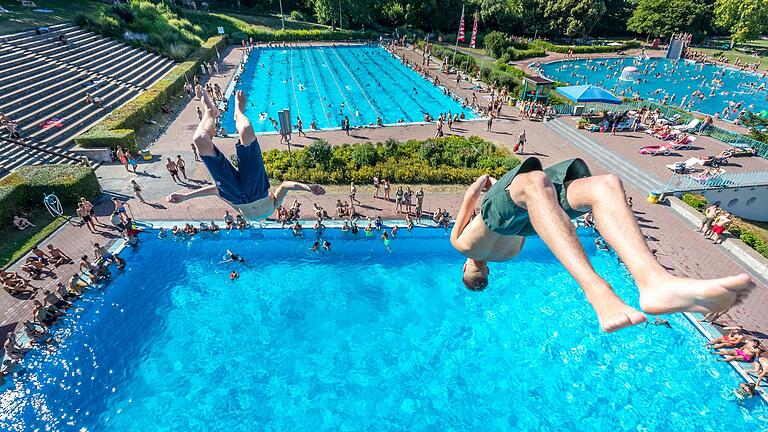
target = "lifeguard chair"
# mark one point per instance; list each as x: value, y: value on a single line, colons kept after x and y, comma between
x: 536, y: 88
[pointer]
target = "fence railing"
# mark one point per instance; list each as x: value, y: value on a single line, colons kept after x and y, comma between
x: 687, y: 182
x: 728, y: 137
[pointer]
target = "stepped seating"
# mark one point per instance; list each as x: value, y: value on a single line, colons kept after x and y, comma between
x: 42, y: 79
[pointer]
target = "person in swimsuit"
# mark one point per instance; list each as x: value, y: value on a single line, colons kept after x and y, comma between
x: 760, y: 367
x: 86, y: 218
x: 120, y: 153
x: 733, y: 338
x: 530, y: 200
x: 750, y: 350
x: 745, y: 391
x: 89, y: 208
x: 173, y: 170
x: 247, y: 187
x: 182, y: 166
x: 120, y: 208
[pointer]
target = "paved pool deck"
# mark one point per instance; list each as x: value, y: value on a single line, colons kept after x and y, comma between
x: 678, y: 247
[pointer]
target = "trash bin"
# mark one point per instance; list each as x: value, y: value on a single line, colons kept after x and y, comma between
x: 653, y: 197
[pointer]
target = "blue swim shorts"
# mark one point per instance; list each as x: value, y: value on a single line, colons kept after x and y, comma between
x: 243, y: 185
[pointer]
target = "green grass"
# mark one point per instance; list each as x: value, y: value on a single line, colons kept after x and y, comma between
x: 733, y: 55
x: 23, y: 18
x: 17, y: 243
x: 271, y: 22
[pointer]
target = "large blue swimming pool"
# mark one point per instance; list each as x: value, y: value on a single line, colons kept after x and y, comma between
x: 361, y: 339
x: 324, y: 84
x: 658, y: 77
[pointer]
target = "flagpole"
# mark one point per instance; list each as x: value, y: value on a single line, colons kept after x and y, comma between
x: 456, y: 48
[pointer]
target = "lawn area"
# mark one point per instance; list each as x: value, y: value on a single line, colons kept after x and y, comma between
x: 733, y: 55
x: 16, y: 243
x: 21, y: 18
x: 271, y: 22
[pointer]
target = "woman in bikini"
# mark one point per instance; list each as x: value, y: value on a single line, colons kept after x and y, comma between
x: 746, y: 353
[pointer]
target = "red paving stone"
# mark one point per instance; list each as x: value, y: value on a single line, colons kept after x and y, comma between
x: 678, y: 247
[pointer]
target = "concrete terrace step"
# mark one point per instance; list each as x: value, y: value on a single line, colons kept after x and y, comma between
x: 33, y: 83
x: 111, y: 101
x: 60, y: 107
x: 41, y: 79
x: 22, y: 105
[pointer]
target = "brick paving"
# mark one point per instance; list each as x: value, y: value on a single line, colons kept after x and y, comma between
x: 678, y: 247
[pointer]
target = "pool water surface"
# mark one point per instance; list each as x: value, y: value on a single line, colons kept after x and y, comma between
x: 325, y: 84
x: 361, y: 339
x: 720, y: 87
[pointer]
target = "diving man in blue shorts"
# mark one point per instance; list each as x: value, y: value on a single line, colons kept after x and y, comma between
x: 247, y: 186
x: 533, y: 201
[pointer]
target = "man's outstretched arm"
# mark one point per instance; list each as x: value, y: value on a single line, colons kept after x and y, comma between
x: 204, y: 191
x: 471, y: 196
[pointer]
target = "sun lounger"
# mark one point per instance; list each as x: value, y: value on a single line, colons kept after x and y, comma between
x: 656, y: 150
x: 685, y: 144
x: 685, y: 167
x: 690, y: 126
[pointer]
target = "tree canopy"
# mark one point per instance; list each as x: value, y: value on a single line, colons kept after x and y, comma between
x: 664, y: 17
x: 744, y: 20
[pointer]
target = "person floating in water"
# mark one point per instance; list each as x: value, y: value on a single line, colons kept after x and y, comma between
x: 530, y: 200
x: 232, y: 257
x: 247, y: 187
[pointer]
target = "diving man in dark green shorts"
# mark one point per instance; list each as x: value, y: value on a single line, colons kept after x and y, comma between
x: 530, y: 200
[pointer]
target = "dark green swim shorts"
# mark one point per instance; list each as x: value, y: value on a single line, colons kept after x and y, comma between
x: 500, y: 213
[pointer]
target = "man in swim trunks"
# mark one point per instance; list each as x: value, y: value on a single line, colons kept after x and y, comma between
x: 530, y: 200
x: 247, y: 187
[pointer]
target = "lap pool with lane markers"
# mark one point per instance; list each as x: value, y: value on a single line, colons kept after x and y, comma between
x: 325, y: 84
x: 361, y: 339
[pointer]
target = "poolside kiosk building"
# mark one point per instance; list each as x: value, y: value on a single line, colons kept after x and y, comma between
x: 536, y: 88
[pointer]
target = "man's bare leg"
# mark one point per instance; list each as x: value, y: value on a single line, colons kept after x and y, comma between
x: 660, y: 292
x: 203, y: 137
x: 282, y: 191
x: 536, y: 193
x: 242, y: 124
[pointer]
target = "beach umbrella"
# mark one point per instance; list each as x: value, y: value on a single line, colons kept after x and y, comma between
x: 588, y: 93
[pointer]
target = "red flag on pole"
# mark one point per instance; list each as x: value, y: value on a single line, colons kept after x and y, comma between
x: 461, y: 26
x: 474, y: 33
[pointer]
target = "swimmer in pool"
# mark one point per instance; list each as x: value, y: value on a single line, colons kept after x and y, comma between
x: 530, y: 200
x: 232, y: 257
x: 233, y: 275
x: 386, y: 240
x: 245, y: 187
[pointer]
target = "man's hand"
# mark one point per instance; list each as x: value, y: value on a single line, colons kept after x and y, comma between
x: 175, y: 198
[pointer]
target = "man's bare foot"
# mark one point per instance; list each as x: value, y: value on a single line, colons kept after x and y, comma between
x: 209, y: 105
x: 317, y: 189
x: 614, y: 314
x: 674, y: 294
x: 175, y: 198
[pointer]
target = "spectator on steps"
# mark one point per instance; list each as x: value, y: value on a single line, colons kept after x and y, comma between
x: 12, y: 126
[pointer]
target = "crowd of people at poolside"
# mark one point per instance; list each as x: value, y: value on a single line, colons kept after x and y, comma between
x: 737, y: 346
x: 53, y: 303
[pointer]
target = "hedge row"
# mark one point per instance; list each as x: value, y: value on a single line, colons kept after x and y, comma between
x: 583, y: 49
x: 118, y: 128
x: 750, y: 235
x: 433, y: 161
x: 500, y: 73
x: 26, y: 187
x: 302, y: 35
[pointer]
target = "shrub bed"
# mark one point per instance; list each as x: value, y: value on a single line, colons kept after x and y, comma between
x: 117, y: 129
x: 26, y: 187
x: 432, y: 161
x: 750, y: 235
x: 583, y: 49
